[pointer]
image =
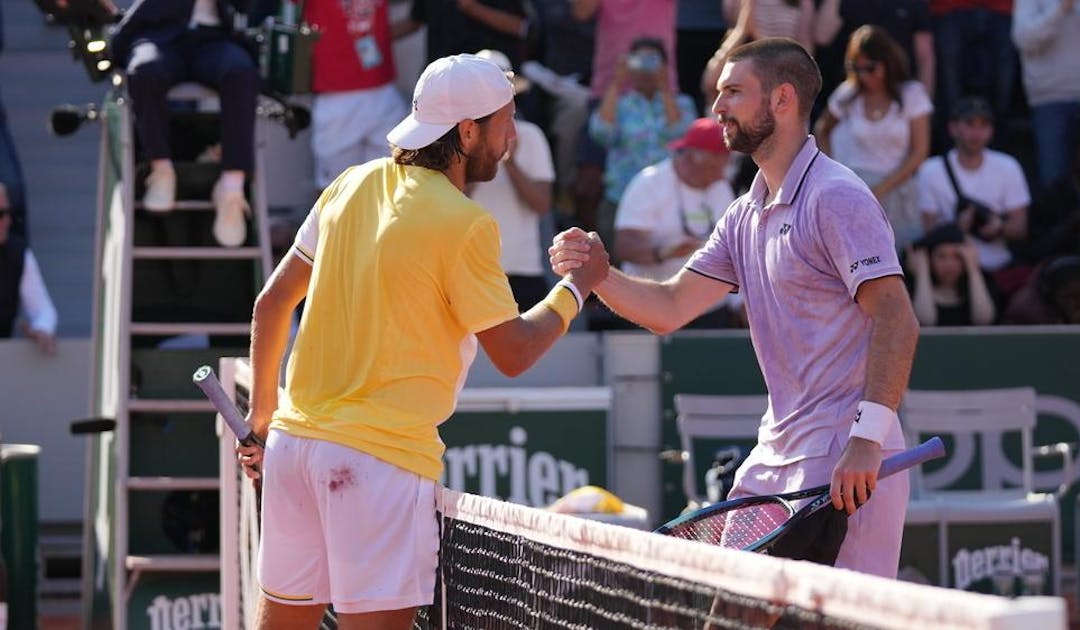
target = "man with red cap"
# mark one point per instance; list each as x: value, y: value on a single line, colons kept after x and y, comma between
x: 670, y: 208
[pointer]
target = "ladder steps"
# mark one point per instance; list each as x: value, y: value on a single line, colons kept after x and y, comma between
x: 178, y: 562
x: 196, y: 253
x: 189, y: 328
x: 173, y: 483
x: 165, y: 405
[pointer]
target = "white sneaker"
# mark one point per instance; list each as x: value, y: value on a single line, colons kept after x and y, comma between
x: 160, y: 193
x: 230, y: 225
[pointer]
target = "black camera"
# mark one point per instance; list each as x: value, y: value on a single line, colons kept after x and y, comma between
x: 982, y: 216
x: 87, y: 22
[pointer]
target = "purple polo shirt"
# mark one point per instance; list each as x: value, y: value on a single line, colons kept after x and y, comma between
x: 798, y: 263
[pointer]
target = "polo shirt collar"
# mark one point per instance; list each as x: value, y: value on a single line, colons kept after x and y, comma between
x: 793, y: 179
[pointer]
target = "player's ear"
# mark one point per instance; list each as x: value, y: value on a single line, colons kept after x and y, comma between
x: 469, y: 133
x: 784, y: 98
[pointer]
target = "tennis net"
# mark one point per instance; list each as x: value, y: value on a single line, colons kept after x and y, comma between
x: 505, y: 566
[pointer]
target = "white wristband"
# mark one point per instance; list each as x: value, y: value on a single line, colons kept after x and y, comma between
x: 873, y: 422
x: 577, y: 294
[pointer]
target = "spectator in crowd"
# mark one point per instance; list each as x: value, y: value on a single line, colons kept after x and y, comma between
x: 465, y: 26
x: 878, y: 125
x: 948, y: 288
x: 22, y: 288
x: 670, y: 208
x: 618, y: 24
x: 907, y: 21
x: 975, y: 54
x: 982, y: 190
x: 1047, y: 33
x: 1051, y: 296
x: 564, y: 72
x: 10, y: 169
x: 356, y: 101
x: 518, y: 196
x: 636, y: 126
x: 161, y: 43
x: 755, y: 19
x: 700, y: 24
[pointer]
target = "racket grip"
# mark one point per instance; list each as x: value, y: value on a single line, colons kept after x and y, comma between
x: 205, y: 379
x: 928, y: 450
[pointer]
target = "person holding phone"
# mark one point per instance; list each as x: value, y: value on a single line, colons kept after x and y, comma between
x: 636, y: 126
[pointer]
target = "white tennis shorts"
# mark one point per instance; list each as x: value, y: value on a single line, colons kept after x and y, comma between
x: 340, y: 526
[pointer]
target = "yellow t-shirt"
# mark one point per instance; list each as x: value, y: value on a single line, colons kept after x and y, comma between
x: 405, y: 272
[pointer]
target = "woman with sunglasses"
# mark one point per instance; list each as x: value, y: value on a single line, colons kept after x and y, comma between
x: 878, y: 125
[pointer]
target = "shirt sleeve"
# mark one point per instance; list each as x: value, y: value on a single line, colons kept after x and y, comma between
x: 856, y: 237
x: 307, y: 237
x: 533, y: 154
x: 477, y: 288
x: 1017, y: 194
x: 916, y: 100
x: 34, y: 297
x: 840, y: 101
x: 1035, y: 23
x: 714, y: 259
x: 601, y: 132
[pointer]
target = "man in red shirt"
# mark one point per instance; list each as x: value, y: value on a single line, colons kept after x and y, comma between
x: 356, y: 102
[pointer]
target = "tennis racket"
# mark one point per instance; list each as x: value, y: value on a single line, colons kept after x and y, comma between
x: 207, y: 381
x: 755, y: 523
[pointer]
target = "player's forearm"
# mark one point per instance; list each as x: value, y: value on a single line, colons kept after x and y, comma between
x: 270, y: 325
x: 893, y: 337
x: 645, y: 302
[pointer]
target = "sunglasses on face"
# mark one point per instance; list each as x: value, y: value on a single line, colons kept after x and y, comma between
x: 862, y: 68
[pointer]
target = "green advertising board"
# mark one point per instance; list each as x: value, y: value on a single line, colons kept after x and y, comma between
x: 723, y: 363
x: 175, y: 602
x: 528, y: 445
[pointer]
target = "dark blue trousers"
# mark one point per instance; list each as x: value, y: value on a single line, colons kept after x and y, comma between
x: 203, y: 55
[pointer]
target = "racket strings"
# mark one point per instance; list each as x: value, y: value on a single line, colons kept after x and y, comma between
x: 738, y: 527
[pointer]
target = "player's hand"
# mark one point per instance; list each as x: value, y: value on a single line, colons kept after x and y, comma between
x: 855, y: 474
x: 251, y: 457
x: 569, y: 250
x: 594, y: 270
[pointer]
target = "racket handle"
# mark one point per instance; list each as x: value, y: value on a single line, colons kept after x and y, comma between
x: 928, y: 450
x: 207, y: 381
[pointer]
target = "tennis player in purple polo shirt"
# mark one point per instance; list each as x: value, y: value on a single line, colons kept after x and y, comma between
x: 811, y: 251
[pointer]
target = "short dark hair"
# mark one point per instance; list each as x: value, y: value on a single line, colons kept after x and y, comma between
x: 780, y: 60
x: 439, y: 154
x: 649, y: 42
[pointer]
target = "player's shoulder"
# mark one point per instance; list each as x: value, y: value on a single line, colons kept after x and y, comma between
x: 833, y: 186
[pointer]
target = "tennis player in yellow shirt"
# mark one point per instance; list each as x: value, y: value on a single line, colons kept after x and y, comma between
x: 401, y: 275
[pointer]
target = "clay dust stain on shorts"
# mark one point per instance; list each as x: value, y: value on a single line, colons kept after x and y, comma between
x: 341, y: 478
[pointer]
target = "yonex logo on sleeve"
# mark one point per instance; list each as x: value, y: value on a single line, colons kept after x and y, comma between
x: 865, y: 262
x: 858, y: 415
x: 785, y: 228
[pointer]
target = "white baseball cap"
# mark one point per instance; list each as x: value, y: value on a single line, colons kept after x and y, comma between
x: 450, y: 90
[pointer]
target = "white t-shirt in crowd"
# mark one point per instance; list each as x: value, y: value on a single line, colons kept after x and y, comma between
x: 876, y: 146
x: 519, y: 227
x: 998, y: 184
x: 656, y: 201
